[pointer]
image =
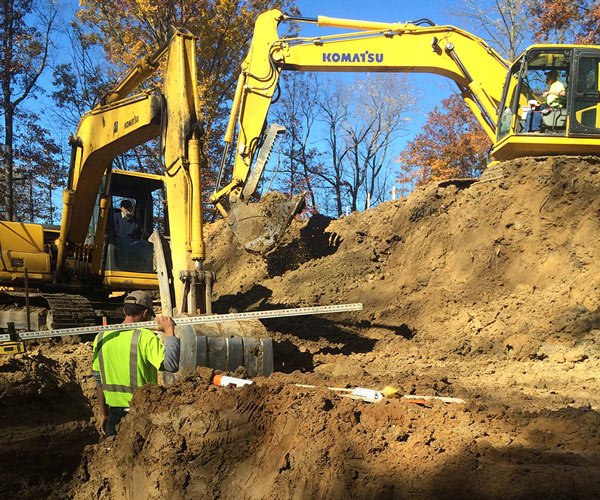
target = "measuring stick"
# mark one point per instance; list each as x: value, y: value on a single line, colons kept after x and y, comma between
x: 195, y: 320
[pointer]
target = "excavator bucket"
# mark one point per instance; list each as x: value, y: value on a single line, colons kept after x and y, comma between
x: 258, y: 226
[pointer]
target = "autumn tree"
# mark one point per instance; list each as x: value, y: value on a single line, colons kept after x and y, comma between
x: 564, y: 21
x: 39, y: 171
x: 130, y: 29
x: 451, y: 144
x: 24, y: 48
x: 502, y: 23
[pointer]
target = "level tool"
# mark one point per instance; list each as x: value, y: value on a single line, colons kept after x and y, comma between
x: 195, y: 320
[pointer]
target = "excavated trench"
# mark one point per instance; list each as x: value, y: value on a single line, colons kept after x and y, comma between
x: 485, y: 291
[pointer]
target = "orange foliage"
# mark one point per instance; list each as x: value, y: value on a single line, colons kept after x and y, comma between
x: 570, y: 21
x: 451, y: 144
x: 131, y: 29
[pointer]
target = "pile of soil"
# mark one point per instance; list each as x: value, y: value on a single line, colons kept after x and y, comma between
x: 481, y: 290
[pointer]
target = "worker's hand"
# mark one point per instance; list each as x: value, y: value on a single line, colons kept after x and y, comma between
x: 103, y: 420
x: 166, y: 324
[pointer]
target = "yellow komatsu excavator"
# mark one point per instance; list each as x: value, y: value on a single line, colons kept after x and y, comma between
x: 507, y: 99
x: 61, y: 277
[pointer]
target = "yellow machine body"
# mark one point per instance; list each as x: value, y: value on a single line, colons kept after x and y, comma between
x: 85, y: 256
x: 23, y: 247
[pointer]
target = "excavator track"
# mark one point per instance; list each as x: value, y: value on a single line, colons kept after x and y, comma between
x: 46, y: 310
x: 68, y: 311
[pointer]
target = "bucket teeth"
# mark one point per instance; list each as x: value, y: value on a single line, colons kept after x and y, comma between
x: 261, y: 159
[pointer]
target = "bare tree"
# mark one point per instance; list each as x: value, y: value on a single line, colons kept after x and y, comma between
x: 80, y: 82
x: 23, y: 58
x: 297, y: 111
x: 503, y: 23
x: 333, y: 102
x: 339, y: 135
x: 383, y: 102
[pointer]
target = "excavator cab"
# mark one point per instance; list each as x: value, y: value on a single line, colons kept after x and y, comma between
x: 129, y: 257
x: 533, y: 122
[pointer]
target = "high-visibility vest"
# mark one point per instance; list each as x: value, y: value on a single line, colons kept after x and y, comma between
x: 126, y: 360
x: 553, y: 99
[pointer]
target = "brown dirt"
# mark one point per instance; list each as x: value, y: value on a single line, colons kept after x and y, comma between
x: 485, y: 291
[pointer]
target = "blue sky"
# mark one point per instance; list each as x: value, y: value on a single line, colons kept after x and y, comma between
x: 430, y: 89
x: 433, y: 88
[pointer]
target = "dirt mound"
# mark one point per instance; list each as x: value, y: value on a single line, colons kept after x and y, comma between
x: 45, y: 416
x: 462, y: 268
x: 485, y: 291
x: 276, y: 440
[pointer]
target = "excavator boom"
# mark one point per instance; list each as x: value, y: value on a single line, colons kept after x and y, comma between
x: 380, y: 47
x: 496, y: 92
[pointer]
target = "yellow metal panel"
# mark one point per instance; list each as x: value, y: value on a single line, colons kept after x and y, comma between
x: 12, y: 347
x: 532, y: 145
x: 16, y: 276
x: 22, y: 236
x: 22, y: 246
x: 120, y: 280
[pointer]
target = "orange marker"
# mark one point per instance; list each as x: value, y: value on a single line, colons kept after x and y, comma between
x: 223, y: 381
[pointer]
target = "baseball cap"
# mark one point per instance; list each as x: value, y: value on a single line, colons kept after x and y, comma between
x: 140, y: 298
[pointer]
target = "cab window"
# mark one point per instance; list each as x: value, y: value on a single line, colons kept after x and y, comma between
x: 586, y: 102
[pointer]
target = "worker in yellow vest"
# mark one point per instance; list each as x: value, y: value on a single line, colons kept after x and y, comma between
x: 125, y: 360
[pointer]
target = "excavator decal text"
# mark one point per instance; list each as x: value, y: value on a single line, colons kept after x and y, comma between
x: 132, y: 121
x: 365, y: 57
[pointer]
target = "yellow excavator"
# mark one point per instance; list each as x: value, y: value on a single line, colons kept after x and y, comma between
x: 60, y: 277
x: 500, y: 95
x: 82, y: 257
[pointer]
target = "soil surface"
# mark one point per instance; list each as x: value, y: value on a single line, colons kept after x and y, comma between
x: 485, y: 290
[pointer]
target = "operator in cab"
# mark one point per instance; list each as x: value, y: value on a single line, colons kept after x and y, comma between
x: 128, y: 359
x: 556, y: 90
x: 554, y: 98
x: 125, y: 223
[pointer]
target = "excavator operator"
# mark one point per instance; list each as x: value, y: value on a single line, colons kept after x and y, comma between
x: 554, y: 96
x: 125, y: 223
x: 132, y: 251
x: 556, y: 90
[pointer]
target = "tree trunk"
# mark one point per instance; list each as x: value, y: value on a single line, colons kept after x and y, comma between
x: 8, y: 165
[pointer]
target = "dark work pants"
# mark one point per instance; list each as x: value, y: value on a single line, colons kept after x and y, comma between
x: 114, y: 417
x: 533, y: 121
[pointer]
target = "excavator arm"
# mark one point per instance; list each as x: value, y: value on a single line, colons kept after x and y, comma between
x: 478, y: 71
x: 102, y: 134
x: 125, y: 122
